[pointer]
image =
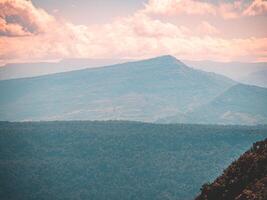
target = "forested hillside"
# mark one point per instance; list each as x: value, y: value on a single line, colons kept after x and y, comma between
x: 115, y: 160
x: 244, y: 179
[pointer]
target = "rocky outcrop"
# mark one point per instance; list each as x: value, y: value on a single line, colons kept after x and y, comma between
x: 244, y: 179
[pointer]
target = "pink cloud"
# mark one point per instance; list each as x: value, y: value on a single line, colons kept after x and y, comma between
x: 230, y: 10
x: 205, y: 28
x: 137, y: 36
x: 226, y: 10
x: 173, y: 7
x: 21, y: 18
x: 11, y: 29
x: 257, y: 7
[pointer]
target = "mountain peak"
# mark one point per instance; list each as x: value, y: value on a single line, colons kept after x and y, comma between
x: 166, y: 58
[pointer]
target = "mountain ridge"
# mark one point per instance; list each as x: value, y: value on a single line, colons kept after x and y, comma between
x: 258, y: 78
x: 28, y: 70
x: 239, y: 104
x: 168, y: 58
x: 146, y: 90
x: 237, y: 71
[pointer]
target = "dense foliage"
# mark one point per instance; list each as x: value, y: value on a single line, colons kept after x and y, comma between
x: 115, y: 160
x: 244, y: 179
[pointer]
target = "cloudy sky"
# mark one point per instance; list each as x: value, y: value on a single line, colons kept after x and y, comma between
x: 188, y: 29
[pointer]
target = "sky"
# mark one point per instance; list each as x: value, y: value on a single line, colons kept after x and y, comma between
x: 43, y: 30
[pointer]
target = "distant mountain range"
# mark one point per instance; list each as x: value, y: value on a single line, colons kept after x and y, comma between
x: 161, y: 89
x: 258, y: 78
x: 248, y: 73
x: 240, y: 104
x: 23, y: 70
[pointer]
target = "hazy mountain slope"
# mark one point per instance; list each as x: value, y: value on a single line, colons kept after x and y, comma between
x: 258, y: 78
x: 23, y: 70
x: 145, y: 90
x: 115, y: 160
x: 244, y: 179
x: 241, y: 104
x: 234, y: 70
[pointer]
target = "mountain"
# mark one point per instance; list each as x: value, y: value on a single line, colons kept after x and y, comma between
x: 240, y: 104
x: 244, y: 179
x: 146, y: 90
x: 258, y: 78
x: 115, y: 160
x: 238, y: 71
x: 23, y: 70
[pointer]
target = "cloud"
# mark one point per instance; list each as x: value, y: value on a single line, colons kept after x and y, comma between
x: 11, y: 29
x: 174, y: 7
x: 226, y: 10
x: 257, y: 7
x: 21, y: 18
x: 205, y: 28
x: 230, y: 10
x: 138, y: 36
